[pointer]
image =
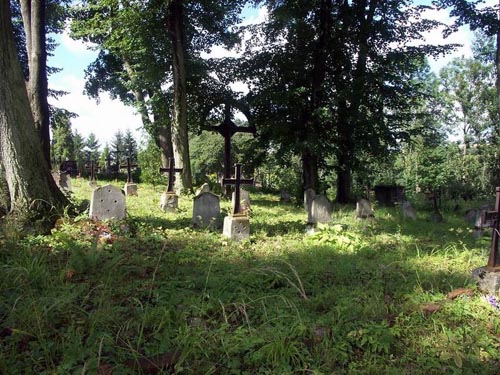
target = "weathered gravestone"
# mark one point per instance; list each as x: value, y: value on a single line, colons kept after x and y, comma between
x: 205, y: 188
x: 488, y: 277
x: 409, y: 211
x: 206, y: 211
x: 364, y: 209
x: 321, y: 210
x: 169, y: 201
x: 107, y: 202
x: 237, y: 225
x: 63, y: 180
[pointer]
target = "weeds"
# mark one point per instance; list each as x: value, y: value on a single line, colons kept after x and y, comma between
x: 152, y: 295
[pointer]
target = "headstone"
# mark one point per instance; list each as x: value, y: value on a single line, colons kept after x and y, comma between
x: 409, y: 211
x: 321, y: 210
x: 237, y: 225
x: 364, y: 209
x: 285, y: 196
x: 205, y: 188
x: 436, y: 217
x: 244, y: 202
x: 388, y: 195
x: 309, y: 195
x: 206, y: 211
x: 169, y: 202
x: 130, y: 188
x: 107, y: 202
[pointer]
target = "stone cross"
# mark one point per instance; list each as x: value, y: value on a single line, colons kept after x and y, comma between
x: 490, y: 219
x: 171, y: 174
x: 129, y: 171
x: 237, y: 181
x: 227, y: 129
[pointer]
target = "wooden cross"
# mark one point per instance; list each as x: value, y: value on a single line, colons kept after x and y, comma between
x: 491, y: 219
x: 171, y: 174
x: 237, y: 181
x: 227, y: 129
x: 129, y: 171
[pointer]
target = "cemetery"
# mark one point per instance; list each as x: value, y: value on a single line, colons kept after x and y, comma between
x: 321, y: 199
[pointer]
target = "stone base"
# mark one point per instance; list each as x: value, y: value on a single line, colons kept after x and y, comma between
x: 169, y: 202
x: 236, y: 227
x: 130, y: 189
x: 487, y: 281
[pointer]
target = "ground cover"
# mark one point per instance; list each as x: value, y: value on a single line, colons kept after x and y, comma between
x: 152, y: 295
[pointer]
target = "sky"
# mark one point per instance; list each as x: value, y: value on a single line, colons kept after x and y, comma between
x: 108, y: 116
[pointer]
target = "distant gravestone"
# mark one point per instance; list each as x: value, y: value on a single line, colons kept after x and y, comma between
x: 205, y: 188
x: 321, y: 210
x: 285, y: 196
x: 409, y: 211
x: 364, y: 209
x: 65, y: 181
x: 309, y: 195
x: 206, y: 211
x: 107, y: 202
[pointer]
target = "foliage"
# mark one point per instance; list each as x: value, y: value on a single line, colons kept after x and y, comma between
x: 149, y: 161
x: 115, y: 296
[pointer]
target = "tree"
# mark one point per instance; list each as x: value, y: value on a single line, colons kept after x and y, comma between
x: 130, y: 145
x: 335, y: 80
x: 118, y: 147
x: 92, y: 144
x: 62, y: 137
x: 33, y: 192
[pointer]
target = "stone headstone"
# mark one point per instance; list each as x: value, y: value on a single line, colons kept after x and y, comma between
x: 436, y: 217
x: 309, y: 195
x: 285, y: 196
x: 169, y: 202
x: 130, y: 189
x: 107, y: 202
x: 321, y: 210
x: 236, y: 227
x: 364, y: 209
x: 65, y: 181
x: 205, y: 188
x: 206, y: 211
x: 409, y: 211
x: 487, y: 281
x: 244, y: 202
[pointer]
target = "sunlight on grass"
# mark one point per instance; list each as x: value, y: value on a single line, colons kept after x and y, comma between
x: 355, y: 297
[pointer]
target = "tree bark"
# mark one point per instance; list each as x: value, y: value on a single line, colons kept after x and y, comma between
x: 180, y: 139
x: 33, y: 13
x: 497, y: 67
x: 32, y: 191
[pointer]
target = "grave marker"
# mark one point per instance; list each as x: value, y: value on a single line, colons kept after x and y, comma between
x: 130, y: 187
x: 237, y: 225
x: 107, y: 202
x: 206, y: 210
x: 488, y: 277
x: 321, y: 210
x: 93, y: 169
x: 169, y: 201
x: 227, y: 129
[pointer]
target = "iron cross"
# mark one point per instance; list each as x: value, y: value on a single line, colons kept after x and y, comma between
x: 171, y: 174
x: 237, y: 181
x: 494, y: 259
x: 129, y: 171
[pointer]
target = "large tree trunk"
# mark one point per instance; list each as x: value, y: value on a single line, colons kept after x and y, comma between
x: 497, y: 67
x: 33, y: 13
x: 179, y: 127
x: 33, y: 192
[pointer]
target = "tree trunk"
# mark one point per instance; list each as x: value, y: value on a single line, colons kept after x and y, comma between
x: 497, y: 67
x: 33, y: 13
x: 32, y: 190
x: 179, y: 127
x: 310, y: 171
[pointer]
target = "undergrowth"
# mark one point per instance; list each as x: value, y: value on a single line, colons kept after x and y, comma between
x: 150, y: 294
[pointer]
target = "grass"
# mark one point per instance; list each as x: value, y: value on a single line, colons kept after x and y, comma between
x: 152, y: 295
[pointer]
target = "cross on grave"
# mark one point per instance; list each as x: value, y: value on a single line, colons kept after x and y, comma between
x: 237, y: 181
x: 227, y: 129
x: 93, y: 169
x: 108, y: 163
x: 171, y: 174
x: 490, y: 219
x: 129, y: 171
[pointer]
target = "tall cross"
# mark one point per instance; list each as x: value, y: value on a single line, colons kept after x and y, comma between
x: 237, y: 181
x: 492, y: 217
x: 227, y: 129
x: 171, y: 174
x: 129, y: 171
x: 92, y: 171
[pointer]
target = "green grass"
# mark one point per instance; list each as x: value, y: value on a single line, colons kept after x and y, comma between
x: 161, y: 297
